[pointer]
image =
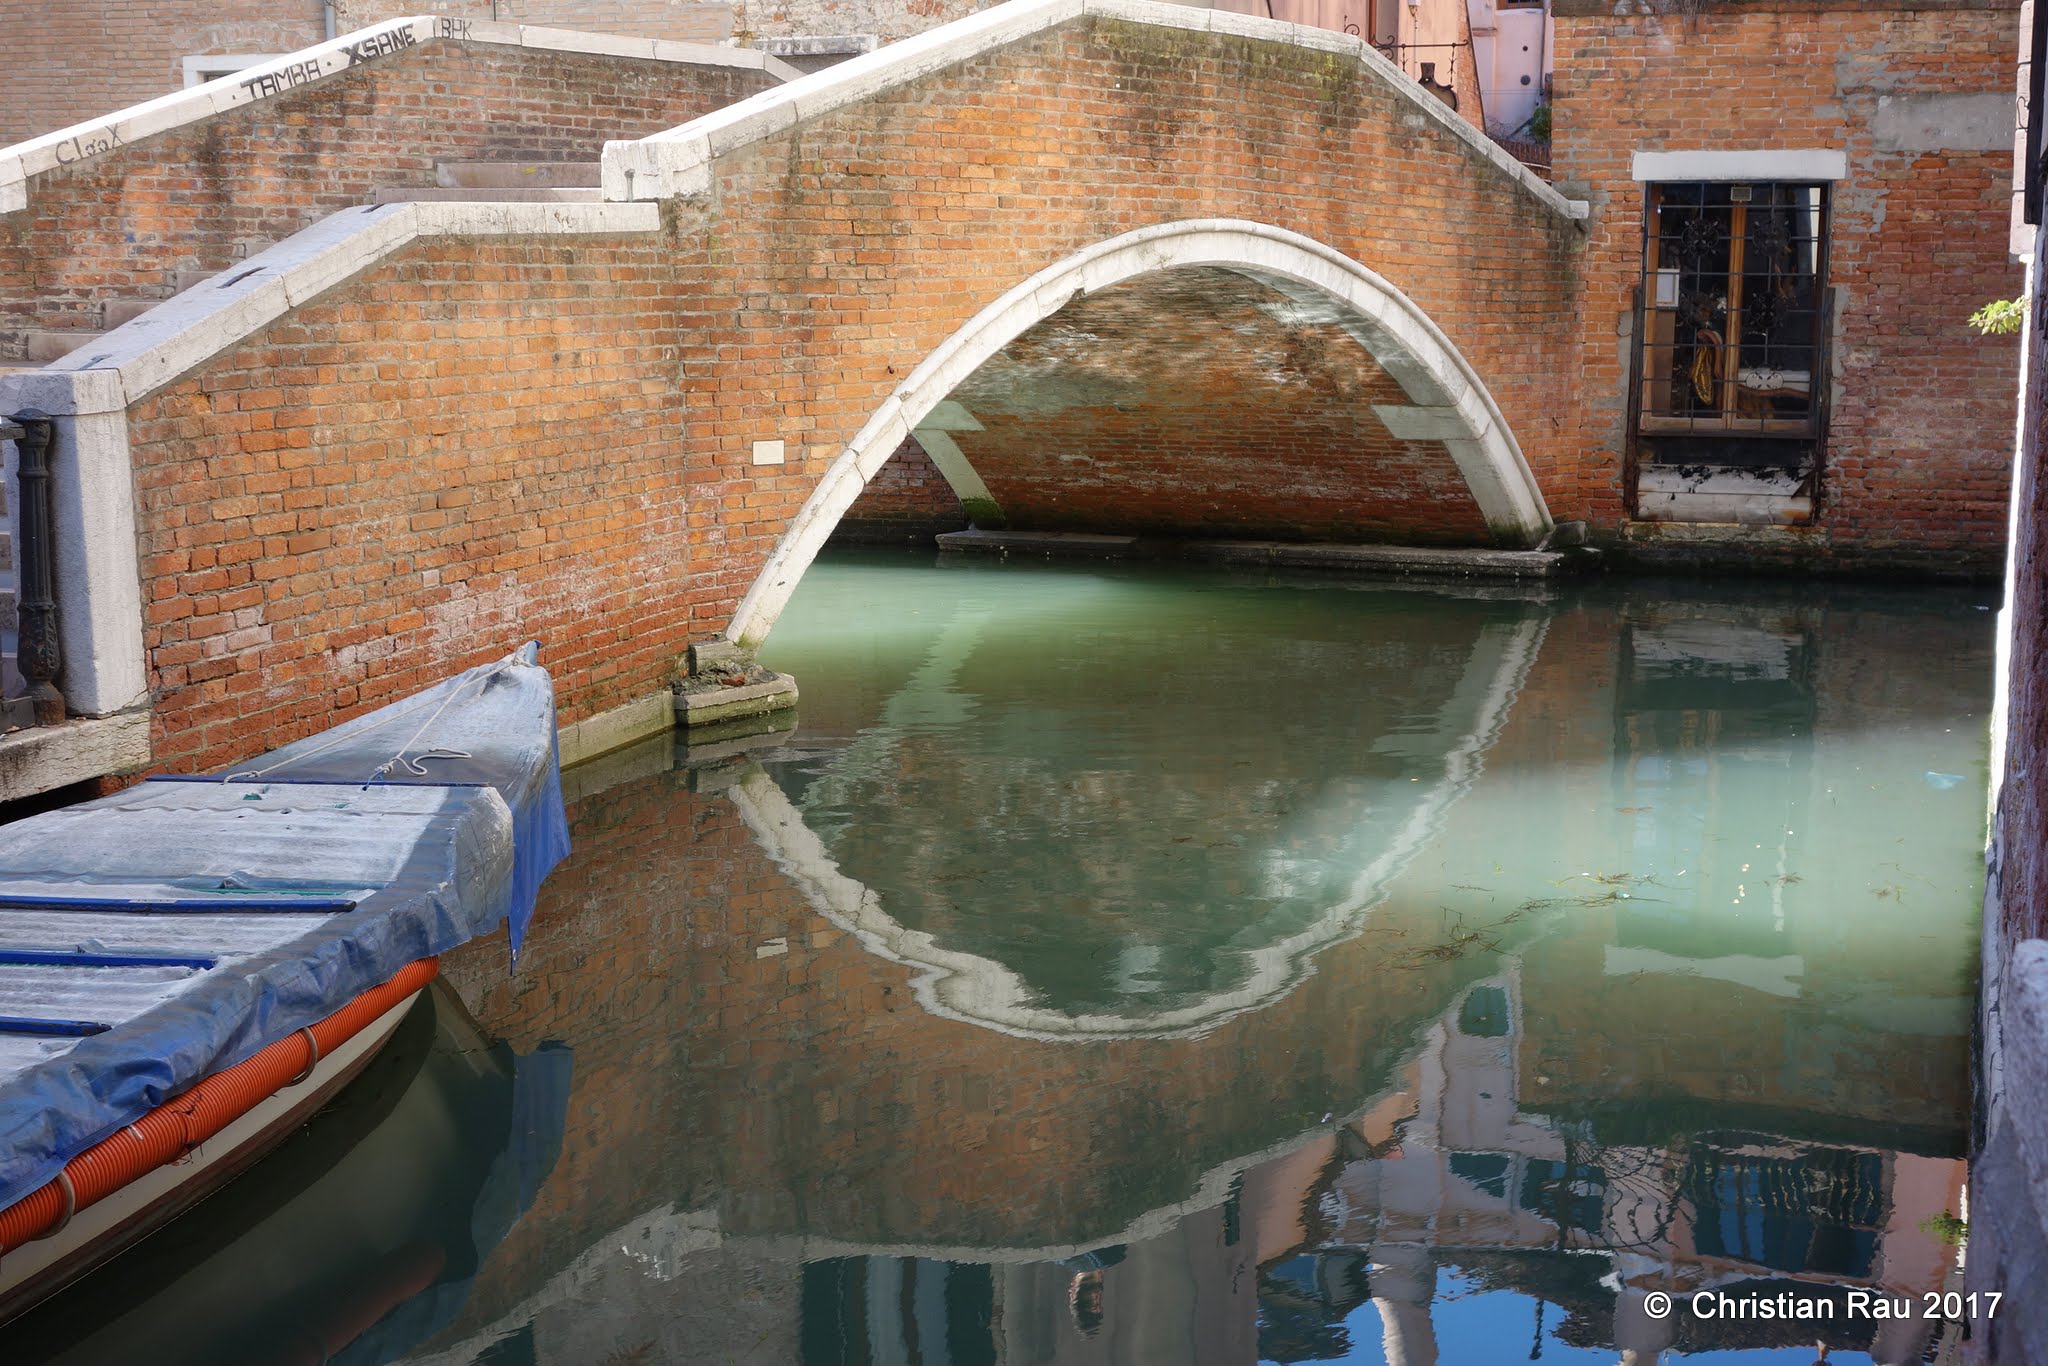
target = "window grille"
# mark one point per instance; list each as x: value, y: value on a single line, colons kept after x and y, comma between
x: 1733, y: 310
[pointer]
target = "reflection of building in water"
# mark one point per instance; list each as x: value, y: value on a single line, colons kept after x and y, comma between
x: 1449, y: 1179
x: 1471, y: 1172
x: 1609, y: 1094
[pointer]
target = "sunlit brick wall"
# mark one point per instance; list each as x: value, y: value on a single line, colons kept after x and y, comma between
x: 132, y: 225
x: 1915, y: 467
x: 70, y: 61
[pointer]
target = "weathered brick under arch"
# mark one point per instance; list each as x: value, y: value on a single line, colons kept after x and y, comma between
x: 1447, y: 401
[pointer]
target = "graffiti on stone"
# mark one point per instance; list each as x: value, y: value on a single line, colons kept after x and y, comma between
x: 382, y: 45
x: 87, y: 145
x: 277, y: 82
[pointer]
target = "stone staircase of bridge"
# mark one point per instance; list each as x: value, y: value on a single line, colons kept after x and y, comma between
x: 511, y: 181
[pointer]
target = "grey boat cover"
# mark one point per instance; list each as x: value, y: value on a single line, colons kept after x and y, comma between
x: 154, y: 937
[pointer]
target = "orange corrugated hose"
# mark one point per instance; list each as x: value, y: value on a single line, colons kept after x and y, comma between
x: 178, y: 1126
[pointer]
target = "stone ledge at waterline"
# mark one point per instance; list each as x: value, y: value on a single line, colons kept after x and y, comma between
x: 703, y: 700
x: 1384, y: 560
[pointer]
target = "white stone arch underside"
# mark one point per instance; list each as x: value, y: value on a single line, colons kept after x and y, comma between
x: 1451, y: 403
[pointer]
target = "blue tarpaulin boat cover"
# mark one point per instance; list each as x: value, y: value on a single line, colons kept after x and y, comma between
x: 436, y: 818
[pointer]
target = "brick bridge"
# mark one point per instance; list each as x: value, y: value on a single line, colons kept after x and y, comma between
x: 1123, y: 265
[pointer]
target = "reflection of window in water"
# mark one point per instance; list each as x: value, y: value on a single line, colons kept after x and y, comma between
x: 882, y: 1311
x: 1569, y: 1194
x: 1486, y: 1172
x: 1713, y: 719
x: 1820, y: 1211
x: 1303, y: 1302
x: 1484, y: 1014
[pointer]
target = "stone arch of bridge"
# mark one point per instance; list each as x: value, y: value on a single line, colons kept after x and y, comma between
x: 1448, y: 400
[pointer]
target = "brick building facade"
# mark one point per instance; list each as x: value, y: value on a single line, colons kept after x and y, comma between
x: 1828, y: 186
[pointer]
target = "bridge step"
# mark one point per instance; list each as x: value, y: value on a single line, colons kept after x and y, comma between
x: 518, y: 175
x: 44, y: 346
x: 404, y: 195
x: 119, y: 311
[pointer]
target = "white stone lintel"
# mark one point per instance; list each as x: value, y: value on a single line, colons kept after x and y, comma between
x: 1814, y: 164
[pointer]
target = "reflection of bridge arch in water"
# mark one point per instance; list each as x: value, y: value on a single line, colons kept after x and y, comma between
x: 976, y: 989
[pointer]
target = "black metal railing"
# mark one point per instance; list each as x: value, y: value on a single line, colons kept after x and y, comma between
x: 35, y: 580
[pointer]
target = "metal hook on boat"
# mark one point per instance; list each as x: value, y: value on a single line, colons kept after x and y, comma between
x: 312, y: 1056
x: 70, y: 1194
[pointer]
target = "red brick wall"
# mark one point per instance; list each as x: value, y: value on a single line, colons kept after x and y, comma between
x: 1175, y: 404
x: 875, y: 232
x: 75, y: 60
x: 1915, y: 470
x: 907, y: 500
x: 121, y: 226
x: 472, y: 447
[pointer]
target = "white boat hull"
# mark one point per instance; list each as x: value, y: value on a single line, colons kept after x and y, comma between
x: 97, y: 1232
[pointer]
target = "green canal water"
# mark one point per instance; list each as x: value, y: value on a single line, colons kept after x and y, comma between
x: 1191, y: 968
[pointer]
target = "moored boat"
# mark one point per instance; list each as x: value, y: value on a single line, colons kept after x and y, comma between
x: 190, y: 966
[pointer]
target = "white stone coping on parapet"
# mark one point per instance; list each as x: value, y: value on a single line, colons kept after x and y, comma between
x: 178, y: 335
x: 84, y: 141
x: 677, y: 161
x: 40, y: 758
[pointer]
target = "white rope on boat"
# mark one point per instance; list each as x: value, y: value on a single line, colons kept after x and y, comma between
x: 412, y: 765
